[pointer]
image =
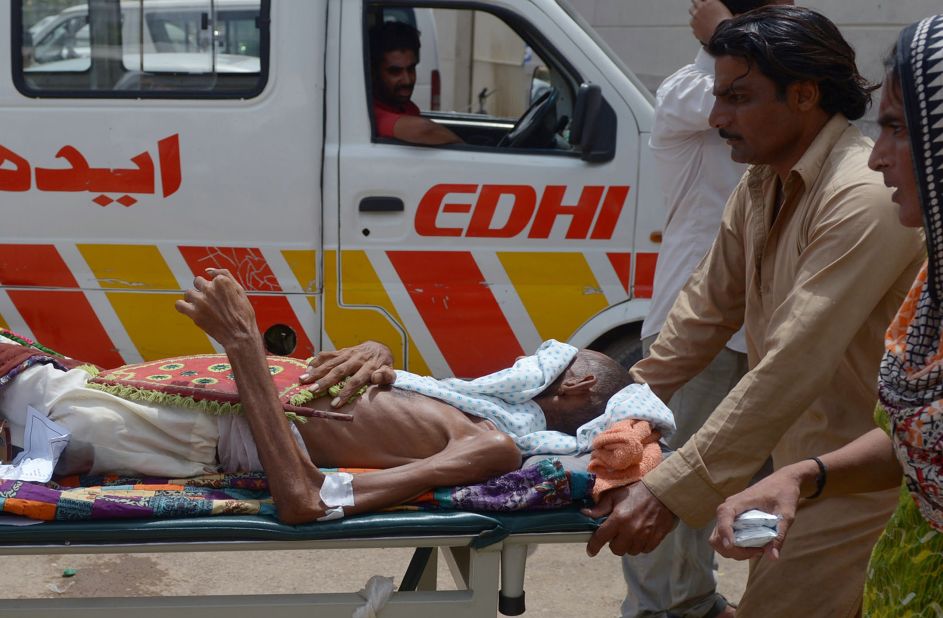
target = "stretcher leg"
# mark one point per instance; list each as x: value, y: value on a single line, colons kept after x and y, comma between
x: 511, y: 597
x: 421, y: 572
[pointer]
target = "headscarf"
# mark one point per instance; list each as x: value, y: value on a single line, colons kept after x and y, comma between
x: 911, y: 380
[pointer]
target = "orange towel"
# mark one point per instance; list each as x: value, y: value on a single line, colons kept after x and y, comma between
x: 623, y: 454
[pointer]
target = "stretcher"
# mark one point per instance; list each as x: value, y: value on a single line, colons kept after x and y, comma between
x: 482, y: 551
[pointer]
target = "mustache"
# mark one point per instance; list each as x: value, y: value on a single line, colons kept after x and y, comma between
x: 728, y: 134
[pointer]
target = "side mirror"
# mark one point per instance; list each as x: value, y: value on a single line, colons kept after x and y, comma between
x: 594, y: 127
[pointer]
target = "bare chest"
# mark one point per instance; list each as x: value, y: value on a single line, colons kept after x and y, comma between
x: 389, y: 428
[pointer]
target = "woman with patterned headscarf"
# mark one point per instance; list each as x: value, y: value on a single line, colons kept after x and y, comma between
x: 905, y: 575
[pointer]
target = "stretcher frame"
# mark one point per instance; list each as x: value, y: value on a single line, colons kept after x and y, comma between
x: 475, y: 547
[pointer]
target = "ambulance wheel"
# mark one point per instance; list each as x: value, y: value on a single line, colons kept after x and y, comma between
x: 626, y: 350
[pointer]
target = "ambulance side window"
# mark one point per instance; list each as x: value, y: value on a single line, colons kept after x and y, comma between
x: 141, y: 49
x: 481, y: 74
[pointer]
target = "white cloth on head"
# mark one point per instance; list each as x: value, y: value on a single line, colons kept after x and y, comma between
x: 635, y: 401
x: 506, y: 399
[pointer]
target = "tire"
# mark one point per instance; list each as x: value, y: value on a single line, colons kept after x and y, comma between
x: 626, y: 350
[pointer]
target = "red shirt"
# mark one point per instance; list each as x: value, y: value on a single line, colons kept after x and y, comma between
x: 386, y: 116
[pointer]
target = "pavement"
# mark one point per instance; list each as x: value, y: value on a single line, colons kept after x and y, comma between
x: 561, y: 580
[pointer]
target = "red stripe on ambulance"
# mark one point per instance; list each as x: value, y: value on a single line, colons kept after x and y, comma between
x: 644, y: 274
x: 446, y: 284
x: 65, y: 321
x: 622, y: 264
x: 251, y: 269
x: 62, y: 319
x: 34, y: 266
x: 247, y: 265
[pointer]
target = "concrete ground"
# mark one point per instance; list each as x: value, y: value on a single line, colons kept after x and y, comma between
x: 560, y: 581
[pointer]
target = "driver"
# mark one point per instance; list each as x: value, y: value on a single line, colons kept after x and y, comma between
x: 394, y: 54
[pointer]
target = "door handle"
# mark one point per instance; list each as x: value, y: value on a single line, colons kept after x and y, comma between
x: 381, y: 204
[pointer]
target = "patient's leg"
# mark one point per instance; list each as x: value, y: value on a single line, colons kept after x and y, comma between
x: 109, y: 434
x: 464, y: 461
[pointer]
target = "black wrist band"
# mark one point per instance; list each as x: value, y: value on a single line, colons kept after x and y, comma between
x: 819, y: 478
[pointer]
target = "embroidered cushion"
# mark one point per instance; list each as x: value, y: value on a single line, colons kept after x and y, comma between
x: 203, y: 381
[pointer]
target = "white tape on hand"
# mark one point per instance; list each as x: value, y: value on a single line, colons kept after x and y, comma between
x: 336, y: 512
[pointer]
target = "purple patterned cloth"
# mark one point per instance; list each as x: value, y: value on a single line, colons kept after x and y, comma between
x: 543, y: 485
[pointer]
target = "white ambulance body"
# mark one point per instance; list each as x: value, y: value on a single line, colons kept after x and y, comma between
x: 248, y: 144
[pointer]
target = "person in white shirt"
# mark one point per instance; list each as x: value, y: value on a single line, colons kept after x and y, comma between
x: 697, y: 176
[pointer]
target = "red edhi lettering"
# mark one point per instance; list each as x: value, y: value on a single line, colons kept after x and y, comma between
x: 523, y: 209
x: 431, y: 204
x: 594, y: 216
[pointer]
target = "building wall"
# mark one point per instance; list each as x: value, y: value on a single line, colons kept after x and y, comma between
x: 480, y: 54
x: 653, y: 36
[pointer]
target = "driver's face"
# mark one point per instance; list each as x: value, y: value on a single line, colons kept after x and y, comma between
x: 396, y: 77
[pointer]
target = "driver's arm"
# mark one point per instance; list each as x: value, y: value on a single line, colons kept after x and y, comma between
x: 419, y: 130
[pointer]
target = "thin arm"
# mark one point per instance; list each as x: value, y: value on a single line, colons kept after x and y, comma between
x: 220, y: 307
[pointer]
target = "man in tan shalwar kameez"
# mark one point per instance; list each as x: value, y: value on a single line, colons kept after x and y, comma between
x: 811, y: 260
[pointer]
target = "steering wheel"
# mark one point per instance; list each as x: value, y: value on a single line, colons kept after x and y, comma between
x: 537, y: 125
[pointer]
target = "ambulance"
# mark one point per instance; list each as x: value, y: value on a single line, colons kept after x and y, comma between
x: 147, y: 140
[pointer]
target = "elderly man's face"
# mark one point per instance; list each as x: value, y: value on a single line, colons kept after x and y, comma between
x: 396, y: 77
x: 758, y: 123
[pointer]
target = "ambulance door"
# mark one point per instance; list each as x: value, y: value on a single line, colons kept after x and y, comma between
x: 475, y: 253
x: 151, y: 140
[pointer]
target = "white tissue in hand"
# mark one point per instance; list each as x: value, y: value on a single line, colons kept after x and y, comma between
x: 753, y: 537
x: 755, y: 517
x: 754, y: 528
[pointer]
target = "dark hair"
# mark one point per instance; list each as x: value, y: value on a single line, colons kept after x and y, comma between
x: 742, y: 6
x: 392, y: 36
x: 790, y: 44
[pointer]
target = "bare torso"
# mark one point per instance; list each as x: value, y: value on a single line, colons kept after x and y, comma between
x: 390, y: 428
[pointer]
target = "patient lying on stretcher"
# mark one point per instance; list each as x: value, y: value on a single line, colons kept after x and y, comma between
x: 417, y: 441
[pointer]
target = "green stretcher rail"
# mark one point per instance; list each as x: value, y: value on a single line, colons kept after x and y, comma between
x: 477, y: 548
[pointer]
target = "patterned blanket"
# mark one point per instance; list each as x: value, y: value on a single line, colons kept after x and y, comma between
x: 543, y: 485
